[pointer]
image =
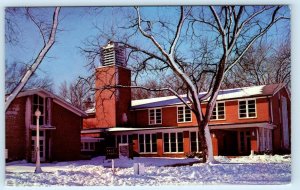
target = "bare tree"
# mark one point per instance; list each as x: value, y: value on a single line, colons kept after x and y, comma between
x: 45, y: 32
x: 76, y: 93
x: 171, y: 45
x: 14, y: 71
x: 262, y: 64
x: 12, y: 29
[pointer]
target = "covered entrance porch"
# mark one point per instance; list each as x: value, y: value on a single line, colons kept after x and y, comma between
x: 241, y: 139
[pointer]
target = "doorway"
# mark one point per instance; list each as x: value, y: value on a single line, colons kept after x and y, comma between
x: 244, y: 142
x: 42, y: 145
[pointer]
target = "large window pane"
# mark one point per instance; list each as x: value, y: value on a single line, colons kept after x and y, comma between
x: 193, y: 141
x: 124, y: 138
x: 173, y: 142
x: 118, y: 140
x: 147, y: 141
x: 141, y: 143
x: 154, y: 144
x: 166, y: 142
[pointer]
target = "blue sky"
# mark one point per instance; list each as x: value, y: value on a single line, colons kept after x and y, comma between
x: 64, y: 61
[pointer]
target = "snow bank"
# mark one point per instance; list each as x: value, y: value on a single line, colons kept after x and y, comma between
x: 243, y: 170
x: 255, y: 159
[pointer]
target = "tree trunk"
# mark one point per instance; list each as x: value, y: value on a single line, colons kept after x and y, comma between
x: 205, y: 141
x: 210, y: 154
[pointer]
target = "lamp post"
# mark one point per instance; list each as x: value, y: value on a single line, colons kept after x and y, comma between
x: 37, y: 148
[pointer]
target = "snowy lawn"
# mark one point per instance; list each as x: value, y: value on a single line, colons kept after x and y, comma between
x: 257, y: 169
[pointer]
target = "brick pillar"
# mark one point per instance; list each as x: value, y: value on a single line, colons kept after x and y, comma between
x: 159, y: 142
x: 186, y: 142
x: 215, y: 144
x: 135, y: 142
x: 254, y: 145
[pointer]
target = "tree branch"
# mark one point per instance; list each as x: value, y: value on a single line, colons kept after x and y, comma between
x: 37, y: 61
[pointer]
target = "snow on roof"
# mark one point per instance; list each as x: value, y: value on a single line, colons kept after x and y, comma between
x: 253, y: 91
x: 123, y: 129
x: 91, y: 110
x: 235, y: 93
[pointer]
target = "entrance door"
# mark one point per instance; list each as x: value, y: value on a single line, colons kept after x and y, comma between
x: 244, y: 142
x: 42, y: 145
x: 230, y: 144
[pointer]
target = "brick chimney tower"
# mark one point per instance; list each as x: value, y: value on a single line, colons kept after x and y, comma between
x: 112, y: 105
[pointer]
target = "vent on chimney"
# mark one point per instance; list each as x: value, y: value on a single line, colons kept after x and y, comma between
x: 113, y: 54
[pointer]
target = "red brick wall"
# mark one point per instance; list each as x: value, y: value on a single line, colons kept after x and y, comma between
x: 123, y: 102
x: 186, y: 142
x: 112, y: 103
x: 105, y: 99
x: 15, y: 130
x: 169, y: 115
x: 232, y: 112
x: 90, y: 122
x: 277, y: 119
x: 66, y: 136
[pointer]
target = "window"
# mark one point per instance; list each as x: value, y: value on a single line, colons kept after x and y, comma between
x: 218, y: 111
x: 38, y: 103
x: 155, y: 116
x: 247, y: 108
x: 87, y: 146
x: 184, y: 114
x: 123, y: 139
x: 147, y: 143
x: 173, y: 142
x: 194, y: 141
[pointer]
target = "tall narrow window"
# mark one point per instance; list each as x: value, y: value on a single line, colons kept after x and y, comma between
x: 121, y: 139
x: 38, y: 103
x: 184, y: 114
x: 218, y: 111
x: 155, y: 116
x: 166, y: 142
x: 141, y: 143
x: 173, y: 142
x: 194, y: 141
x: 247, y: 108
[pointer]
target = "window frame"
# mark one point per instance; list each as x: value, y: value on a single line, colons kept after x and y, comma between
x: 198, y: 147
x: 217, y: 111
x: 169, y: 143
x: 144, y: 143
x: 155, y: 116
x: 43, y: 111
x: 247, y: 108
x: 184, y: 114
x: 122, y: 141
x: 83, y: 147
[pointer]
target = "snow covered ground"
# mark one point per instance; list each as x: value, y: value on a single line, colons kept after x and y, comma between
x: 258, y: 169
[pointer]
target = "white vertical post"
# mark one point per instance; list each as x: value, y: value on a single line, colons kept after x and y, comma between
x: 38, y: 162
x: 113, y: 166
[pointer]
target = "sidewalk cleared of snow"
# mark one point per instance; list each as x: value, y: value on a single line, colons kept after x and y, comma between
x: 256, y: 169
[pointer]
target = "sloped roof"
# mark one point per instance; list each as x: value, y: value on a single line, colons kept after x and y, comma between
x: 235, y: 93
x: 56, y: 98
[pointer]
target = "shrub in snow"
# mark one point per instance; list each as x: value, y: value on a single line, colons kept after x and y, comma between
x: 194, y: 154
